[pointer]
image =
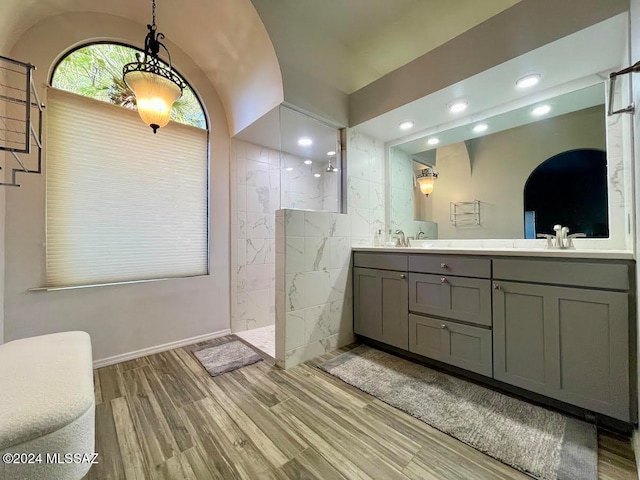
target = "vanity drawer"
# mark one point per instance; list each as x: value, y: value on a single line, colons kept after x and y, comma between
x: 462, y: 266
x: 459, y: 345
x: 612, y: 276
x: 381, y: 261
x: 459, y: 298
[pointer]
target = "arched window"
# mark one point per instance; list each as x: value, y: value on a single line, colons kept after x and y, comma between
x: 123, y: 204
x: 569, y: 189
x: 95, y: 71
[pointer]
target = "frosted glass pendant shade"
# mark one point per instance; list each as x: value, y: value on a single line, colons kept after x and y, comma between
x: 426, y: 184
x: 155, y: 96
x: 426, y: 180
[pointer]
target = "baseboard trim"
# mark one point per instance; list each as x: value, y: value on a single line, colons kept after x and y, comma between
x: 635, y: 444
x: 105, y: 362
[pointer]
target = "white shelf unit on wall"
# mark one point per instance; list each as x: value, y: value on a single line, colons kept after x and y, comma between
x: 465, y: 214
x: 20, y: 119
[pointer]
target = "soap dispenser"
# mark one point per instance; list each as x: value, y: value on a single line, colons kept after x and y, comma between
x: 377, y: 239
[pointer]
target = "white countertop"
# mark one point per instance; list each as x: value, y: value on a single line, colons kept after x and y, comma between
x: 506, y: 251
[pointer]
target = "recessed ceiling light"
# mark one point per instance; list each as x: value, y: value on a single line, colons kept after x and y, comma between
x: 433, y: 141
x: 308, y: 162
x: 406, y: 125
x: 317, y: 175
x: 481, y: 127
x: 528, y: 81
x: 305, y: 141
x: 459, y: 106
x: 289, y: 169
x: 331, y: 153
x: 541, y: 110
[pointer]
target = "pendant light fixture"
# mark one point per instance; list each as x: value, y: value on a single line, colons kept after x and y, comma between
x: 155, y: 85
x: 426, y: 179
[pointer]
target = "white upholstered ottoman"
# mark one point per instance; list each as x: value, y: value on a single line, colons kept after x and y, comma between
x: 47, y: 407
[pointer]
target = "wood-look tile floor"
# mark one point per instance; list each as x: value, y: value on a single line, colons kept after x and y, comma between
x: 164, y: 417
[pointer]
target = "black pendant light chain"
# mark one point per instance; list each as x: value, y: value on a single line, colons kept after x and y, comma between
x: 152, y: 43
x: 142, y: 74
x: 151, y: 62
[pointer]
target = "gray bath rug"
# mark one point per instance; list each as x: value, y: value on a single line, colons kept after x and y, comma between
x: 226, y: 357
x: 539, y: 442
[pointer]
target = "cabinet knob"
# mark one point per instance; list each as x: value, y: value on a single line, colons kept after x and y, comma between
x: 403, y: 276
x: 497, y: 287
x: 443, y: 279
x: 442, y: 325
x: 444, y: 265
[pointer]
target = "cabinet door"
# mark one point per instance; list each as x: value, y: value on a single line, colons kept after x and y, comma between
x: 461, y: 345
x: 465, y: 299
x: 592, y: 332
x: 381, y: 309
x: 570, y: 344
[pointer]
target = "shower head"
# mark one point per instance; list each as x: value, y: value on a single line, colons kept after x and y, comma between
x: 330, y: 168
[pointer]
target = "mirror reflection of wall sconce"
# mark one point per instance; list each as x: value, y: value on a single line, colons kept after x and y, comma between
x: 426, y: 179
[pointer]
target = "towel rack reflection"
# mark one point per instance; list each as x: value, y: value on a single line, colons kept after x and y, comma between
x: 612, y: 86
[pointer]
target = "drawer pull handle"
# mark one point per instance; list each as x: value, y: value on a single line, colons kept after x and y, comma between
x: 403, y: 276
x: 497, y: 287
x: 444, y: 265
x: 443, y: 279
x: 442, y: 325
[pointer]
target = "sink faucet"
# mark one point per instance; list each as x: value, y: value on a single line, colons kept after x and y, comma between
x: 562, y: 239
x: 420, y: 235
x: 561, y: 236
x: 401, y: 241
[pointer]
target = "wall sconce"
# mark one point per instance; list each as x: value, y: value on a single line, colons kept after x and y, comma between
x: 155, y: 86
x: 426, y: 179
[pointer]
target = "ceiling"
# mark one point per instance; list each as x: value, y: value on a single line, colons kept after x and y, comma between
x: 281, y: 129
x: 349, y: 44
x: 226, y: 39
x: 560, y: 105
x: 576, y: 61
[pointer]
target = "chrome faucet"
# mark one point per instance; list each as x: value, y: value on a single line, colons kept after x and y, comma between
x: 420, y: 235
x: 401, y: 241
x: 562, y: 239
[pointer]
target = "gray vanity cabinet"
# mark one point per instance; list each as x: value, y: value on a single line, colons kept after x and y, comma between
x: 458, y: 298
x: 381, y: 310
x: 460, y: 345
x: 571, y: 344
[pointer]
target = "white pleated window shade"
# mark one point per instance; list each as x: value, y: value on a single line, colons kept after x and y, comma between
x: 123, y: 204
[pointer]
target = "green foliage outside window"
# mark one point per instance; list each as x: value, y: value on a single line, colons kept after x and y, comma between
x: 96, y: 71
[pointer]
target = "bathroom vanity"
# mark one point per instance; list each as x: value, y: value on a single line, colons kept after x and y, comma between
x: 560, y: 324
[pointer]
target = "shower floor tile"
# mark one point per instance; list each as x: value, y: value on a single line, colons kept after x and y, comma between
x: 263, y: 338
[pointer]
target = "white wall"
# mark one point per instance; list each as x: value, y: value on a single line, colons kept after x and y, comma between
x: 260, y: 184
x: 122, y: 318
x: 313, y: 251
x: 255, y: 193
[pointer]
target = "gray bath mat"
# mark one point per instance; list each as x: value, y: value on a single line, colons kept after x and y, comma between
x: 225, y: 357
x: 539, y: 442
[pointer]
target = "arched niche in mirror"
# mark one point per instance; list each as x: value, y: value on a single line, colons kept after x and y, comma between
x: 570, y: 189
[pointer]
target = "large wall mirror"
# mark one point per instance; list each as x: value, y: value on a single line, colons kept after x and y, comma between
x: 529, y: 159
x: 512, y: 175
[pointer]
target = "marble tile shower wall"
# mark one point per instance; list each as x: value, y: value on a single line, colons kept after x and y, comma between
x: 259, y: 183
x: 620, y: 176
x: 313, y: 289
